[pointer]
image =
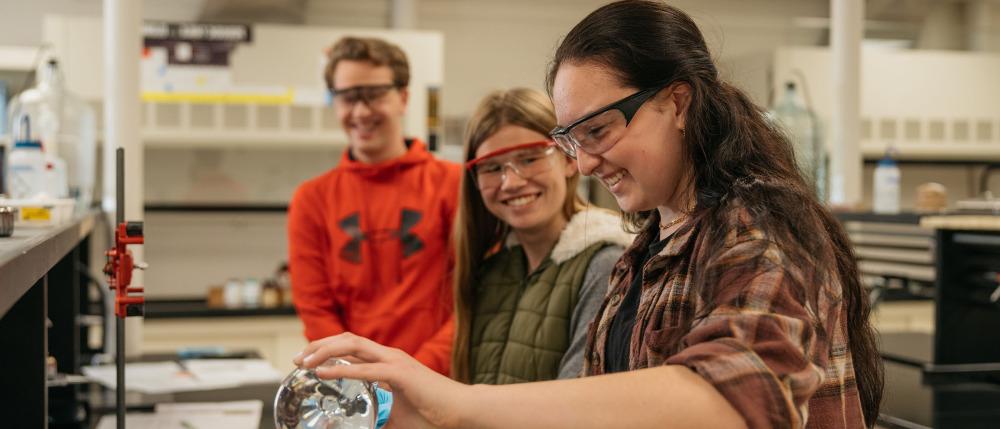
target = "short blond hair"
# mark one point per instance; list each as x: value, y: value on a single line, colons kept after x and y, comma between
x: 376, y: 51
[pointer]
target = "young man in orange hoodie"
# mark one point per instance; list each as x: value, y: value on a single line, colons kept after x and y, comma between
x: 368, y: 241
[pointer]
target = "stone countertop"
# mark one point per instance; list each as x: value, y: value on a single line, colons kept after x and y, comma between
x: 962, y: 222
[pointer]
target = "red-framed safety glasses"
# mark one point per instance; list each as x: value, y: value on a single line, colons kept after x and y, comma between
x: 527, y: 160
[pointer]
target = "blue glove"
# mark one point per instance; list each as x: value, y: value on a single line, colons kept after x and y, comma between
x: 384, y: 398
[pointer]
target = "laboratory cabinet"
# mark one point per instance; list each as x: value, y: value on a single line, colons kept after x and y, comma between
x: 44, y: 306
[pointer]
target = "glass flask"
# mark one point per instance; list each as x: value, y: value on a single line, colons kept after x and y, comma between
x: 304, y: 401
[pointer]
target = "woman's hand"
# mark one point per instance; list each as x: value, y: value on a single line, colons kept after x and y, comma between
x: 421, y: 397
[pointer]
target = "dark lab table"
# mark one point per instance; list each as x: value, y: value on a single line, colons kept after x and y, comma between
x: 906, y: 402
x: 911, y: 401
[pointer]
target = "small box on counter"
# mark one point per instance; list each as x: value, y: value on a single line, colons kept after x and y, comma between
x: 41, y: 212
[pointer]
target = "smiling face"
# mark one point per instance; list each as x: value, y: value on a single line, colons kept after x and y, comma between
x: 374, y: 127
x: 645, y: 167
x: 528, y: 204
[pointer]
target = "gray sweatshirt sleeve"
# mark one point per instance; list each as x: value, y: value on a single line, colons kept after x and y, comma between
x: 592, y: 293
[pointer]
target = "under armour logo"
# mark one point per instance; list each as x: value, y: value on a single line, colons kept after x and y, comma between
x: 351, y: 225
x: 411, y: 243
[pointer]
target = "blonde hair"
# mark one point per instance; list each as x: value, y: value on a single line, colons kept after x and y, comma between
x: 477, y: 231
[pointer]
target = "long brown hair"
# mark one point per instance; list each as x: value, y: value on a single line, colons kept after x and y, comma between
x: 738, y: 159
x: 477, y: 231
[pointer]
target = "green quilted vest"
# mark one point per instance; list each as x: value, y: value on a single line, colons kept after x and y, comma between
x: 521, y: 321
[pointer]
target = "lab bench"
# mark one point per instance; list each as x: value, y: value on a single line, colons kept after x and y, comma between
x: 101, y: 400
x: 41, y: 284
x: 951, y: 376
x: 935, y: 284
x: 43, y: 287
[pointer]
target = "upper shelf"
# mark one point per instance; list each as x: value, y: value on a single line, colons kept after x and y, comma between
x: 266, y: 125
x: 17, y: 58
x: 187, y: 139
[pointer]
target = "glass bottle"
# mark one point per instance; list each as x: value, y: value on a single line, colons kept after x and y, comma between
x: 305, y: 401
x: 802, y: 127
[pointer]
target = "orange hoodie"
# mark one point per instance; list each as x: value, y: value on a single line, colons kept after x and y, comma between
x: 369, y: 252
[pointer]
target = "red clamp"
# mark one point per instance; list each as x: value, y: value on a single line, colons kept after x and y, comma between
x: 128, y: 300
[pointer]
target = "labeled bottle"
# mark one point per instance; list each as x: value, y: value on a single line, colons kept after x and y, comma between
x: 26, y: 168
x: 886, y: 184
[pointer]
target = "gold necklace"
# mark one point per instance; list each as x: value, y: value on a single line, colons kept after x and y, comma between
x: 673, y: 222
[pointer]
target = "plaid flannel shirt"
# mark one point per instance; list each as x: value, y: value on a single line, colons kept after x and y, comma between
x: 759, y: 344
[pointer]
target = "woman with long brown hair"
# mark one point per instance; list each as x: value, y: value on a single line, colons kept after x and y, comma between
x: 738, y: 305
x: 532, y: 260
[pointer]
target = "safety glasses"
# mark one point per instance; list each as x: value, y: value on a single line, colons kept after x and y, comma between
x: 526, y: 160
x: 367, y: 94
x: 598, y: 131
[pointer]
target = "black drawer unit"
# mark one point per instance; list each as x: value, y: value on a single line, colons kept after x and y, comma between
x: 965, y: 371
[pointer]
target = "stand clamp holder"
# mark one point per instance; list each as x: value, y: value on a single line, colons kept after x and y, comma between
x: 128, y: 300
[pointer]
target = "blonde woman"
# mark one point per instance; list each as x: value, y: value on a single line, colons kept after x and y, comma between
x: 533, y: 261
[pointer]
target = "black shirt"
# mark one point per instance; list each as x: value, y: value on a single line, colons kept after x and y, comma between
x: 616, y: 350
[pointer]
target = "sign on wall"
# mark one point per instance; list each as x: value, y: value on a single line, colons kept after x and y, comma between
x: 190, y: 63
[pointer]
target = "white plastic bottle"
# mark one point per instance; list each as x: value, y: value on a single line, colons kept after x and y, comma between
x: 886, y: 183
x: 251, y: 293
x: 55, y: 174
x: 232, y: 294
x: 66, y: 126
x: 26, y: 176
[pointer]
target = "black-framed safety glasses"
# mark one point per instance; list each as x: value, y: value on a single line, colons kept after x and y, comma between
x: 598, y: 131
x: 361, y: 93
